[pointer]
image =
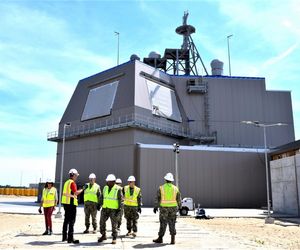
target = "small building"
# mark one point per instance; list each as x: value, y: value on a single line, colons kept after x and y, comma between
x: 285, y: 179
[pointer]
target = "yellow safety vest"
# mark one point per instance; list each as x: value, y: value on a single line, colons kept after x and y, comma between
x: 131, y: 200
x: 168, y: 195
x: 110, y: 199
x: 49, y: 196
x: 67, y: 195
x: 90, y: 194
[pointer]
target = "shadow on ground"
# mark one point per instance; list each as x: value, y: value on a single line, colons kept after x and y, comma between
x: 149, y: 245
x: 42, y: 243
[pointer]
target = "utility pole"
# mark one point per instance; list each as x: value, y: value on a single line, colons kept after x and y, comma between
x: 176, y: 151
x: 228, y: 37
x: 118, y: 53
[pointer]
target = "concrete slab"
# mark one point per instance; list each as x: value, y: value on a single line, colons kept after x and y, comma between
x: 191, y: 233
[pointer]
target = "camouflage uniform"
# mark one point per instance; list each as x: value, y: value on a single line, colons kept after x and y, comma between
x: 113, y: 214
x: 132, y: 216
x: 90, y: 209
x: 120, y: 218
x: 121, y: 211
x: 131, y: 213
x: 167, y: 215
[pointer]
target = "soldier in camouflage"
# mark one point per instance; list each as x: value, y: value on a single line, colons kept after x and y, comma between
x: 132, y: 205
x: 91, y: 202
x: 119, y: 183
x: 168, y: 201
x: 112, y: 203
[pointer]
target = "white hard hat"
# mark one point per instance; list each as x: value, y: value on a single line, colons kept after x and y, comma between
x: 49, y: 181
x: 169, y: 177
x: 73, y: 171
x: 131, y: 178
x: 119, y: 181
x: 92, y: 176
x: 111, y: 177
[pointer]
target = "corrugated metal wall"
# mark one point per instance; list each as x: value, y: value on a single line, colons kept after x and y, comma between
x: 232, y: 100
x: 109, y: 153
x: 211, y: 178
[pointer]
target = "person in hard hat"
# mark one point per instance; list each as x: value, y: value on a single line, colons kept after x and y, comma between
x: 132, y: 205
x: 49, y: 201
x: 70, y: 202
x: 91, y: 202
x: 111, y: 201
x: 168, y: 201
x: 119, y: 183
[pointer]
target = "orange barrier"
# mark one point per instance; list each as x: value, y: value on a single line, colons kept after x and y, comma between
x: 19, y: 191
x: 6, y: 191
x: 22, y: 191
x: 32, y: 192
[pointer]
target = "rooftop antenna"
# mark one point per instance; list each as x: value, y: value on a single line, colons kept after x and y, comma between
x: 188, y: 44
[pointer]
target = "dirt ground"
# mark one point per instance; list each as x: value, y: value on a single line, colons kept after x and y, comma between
x: 265, y: 235
x: 245, y: 232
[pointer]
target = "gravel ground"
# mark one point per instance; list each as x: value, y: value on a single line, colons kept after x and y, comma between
x: 21, y: 227
x: 24, y: 232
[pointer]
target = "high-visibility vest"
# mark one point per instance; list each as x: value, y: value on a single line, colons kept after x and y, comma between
x: 90, y: 194
x: 168, y: 193
x: 67, y: 194
x: 110, y: 199
x: 131, y: 200
x: 49, y: 197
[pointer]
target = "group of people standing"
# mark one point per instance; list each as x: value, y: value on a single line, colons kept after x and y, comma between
x: 114, y: 200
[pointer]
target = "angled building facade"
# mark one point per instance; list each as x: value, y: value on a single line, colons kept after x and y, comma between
x: 116, y: 111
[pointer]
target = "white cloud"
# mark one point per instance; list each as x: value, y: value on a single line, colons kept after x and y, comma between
x: 281, y: 56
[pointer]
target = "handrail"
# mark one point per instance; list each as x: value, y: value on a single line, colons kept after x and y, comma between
x: 131, y: 120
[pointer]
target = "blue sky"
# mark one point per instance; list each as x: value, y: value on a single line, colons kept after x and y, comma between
x: 47, y: 46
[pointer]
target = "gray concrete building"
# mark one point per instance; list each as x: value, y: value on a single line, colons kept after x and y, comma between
x: 119, y: 116
x: 285, y: 179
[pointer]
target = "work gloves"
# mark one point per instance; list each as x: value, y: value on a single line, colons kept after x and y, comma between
x: 155, y: 210
x: 139, y: 210
x: 98, y: 207
x: 40, y: 210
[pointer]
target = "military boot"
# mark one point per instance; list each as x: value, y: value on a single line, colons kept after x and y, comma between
x: 172, y: 239
x: 102, y: 238
x: 114, y: 240
x: 158, y: 240
x: 86, y: 231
